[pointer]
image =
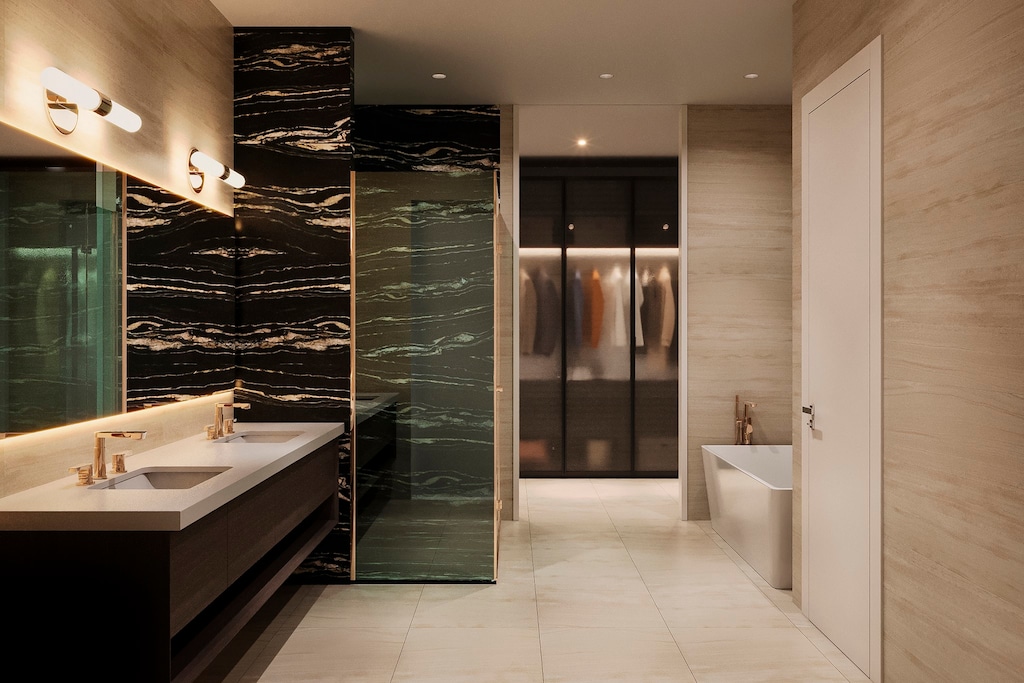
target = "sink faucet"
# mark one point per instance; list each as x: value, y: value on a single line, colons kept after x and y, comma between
x: 218, y: 418
x: 99, y: 456
x: 744, y: 424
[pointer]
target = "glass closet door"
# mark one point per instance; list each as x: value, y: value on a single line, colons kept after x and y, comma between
x: 598, y: 386
x: 656, y: 356
x: 541, y: 449
x: 424, y: 372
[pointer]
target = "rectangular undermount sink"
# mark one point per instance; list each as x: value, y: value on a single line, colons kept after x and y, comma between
x: 161, y: 478
x: 260, y: 437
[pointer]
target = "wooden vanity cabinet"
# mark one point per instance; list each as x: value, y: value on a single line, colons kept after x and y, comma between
x: 151, y: 606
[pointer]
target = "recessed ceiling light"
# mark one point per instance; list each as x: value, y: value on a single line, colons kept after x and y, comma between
x: 439, y: 76
x: 606, y: 76
x: 582, y: 142
x: 751, y: 76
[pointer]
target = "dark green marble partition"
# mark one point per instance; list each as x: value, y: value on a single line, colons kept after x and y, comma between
x: 424, y: 264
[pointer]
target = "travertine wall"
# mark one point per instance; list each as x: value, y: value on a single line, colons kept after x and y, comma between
x: 738, y: 284
x: 171, y: 63
x: 953, y: 323
x: 505, y: 281
x: 34, y: 459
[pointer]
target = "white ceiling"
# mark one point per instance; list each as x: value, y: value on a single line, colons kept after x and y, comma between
x: 610, y: 130
x: 552, y: 51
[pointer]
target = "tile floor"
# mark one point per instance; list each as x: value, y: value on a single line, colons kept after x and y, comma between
x: 598, y: 581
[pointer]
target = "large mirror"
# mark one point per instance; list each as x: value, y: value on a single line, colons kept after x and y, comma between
x: 114, y: 294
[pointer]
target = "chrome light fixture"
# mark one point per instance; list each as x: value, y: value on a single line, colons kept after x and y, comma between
x: 200, y: 164
x: 65, y: 94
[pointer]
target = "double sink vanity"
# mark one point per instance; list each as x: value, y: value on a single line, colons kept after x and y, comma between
x: 146, y: 575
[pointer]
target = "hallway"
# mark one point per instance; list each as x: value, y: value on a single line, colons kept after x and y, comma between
x: 598, y: 581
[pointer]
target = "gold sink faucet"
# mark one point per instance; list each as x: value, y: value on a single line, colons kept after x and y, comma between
x: 744, y: 424
x: 220, y: 427
x: 99, y: 456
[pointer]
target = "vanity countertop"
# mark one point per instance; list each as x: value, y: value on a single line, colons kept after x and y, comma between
x: 62, y: 505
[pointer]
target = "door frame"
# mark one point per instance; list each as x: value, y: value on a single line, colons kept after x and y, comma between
x: 867, y: 61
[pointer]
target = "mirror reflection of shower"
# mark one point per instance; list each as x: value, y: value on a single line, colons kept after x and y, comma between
x: 60, y: 295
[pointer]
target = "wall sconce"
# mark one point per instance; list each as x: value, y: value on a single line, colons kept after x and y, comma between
x: 64, y: 95
x: 199, y: 165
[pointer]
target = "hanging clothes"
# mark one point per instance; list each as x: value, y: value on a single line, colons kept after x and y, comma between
x: 616, y: 282
x: 668, y: 307
x: 638, y: 302
x: 576, y: 304
x: 596, y: 307
x: 651, y: 310
x: 549, y: 315
x: 527, y: 313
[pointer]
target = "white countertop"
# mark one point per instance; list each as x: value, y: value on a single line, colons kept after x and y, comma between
x: 63, y: 505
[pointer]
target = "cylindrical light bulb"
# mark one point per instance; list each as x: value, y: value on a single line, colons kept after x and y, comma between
x: 234, y: 179
x: 206, y: 164
x: 122, y: 117
x: 71, y: 89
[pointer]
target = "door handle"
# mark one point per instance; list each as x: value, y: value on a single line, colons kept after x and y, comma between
x: 809, y: 410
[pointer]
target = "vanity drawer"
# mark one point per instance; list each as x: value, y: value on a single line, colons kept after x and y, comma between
x: 262, y: 517
x: 199, y: 571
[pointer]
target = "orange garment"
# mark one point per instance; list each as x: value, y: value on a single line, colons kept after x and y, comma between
x: 596, y: 306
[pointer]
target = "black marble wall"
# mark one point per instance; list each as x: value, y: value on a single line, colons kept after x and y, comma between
x: 293, y: 104
x: 293, y: 112
x: 422, y: 138
x: 181, y: 297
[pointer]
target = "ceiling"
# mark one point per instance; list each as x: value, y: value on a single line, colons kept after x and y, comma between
x: 552, y: 51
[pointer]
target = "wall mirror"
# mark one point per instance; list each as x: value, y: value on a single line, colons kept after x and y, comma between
x: 64, y: 310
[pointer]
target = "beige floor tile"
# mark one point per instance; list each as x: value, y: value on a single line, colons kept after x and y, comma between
x: 753, y: 655
x: 364, y: 605
x: 604, y: 607
x: 717, y: 605
x: 470, y: 655
x: 508, y: 604
x: 315, y: 655
x: 833, y: 654
x: 587, y: 655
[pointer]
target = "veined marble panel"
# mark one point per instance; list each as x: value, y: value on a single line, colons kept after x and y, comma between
x: 439, y: 139
x: 293, y: 111
x: 293, y: 92
x: 181, y: 297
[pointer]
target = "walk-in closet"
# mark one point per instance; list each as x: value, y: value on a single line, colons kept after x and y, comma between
x: 598, y: 293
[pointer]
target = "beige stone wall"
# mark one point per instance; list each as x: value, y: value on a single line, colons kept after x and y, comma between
x: 953, y: 323
x: 506, y: 280
x: 169, y: 62
x: 739, y: 278
x: 34, y: 459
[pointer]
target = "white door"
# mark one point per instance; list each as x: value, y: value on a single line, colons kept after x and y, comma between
x: 841, y: 354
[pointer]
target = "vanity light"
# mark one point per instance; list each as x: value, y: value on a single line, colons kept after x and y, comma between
x: 200, y: 165
x: 582, y: 142
x: 65, y: 94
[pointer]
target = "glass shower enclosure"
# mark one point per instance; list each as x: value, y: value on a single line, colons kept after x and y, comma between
x: 423, y: 349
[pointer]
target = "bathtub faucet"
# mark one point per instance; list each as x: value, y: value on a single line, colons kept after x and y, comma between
x: 744, y: 423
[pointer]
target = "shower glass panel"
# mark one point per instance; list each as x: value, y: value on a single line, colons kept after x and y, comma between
x: 424, y: 361
x: 60, y: 297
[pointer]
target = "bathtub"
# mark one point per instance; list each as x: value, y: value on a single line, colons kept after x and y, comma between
x: 750, y: 492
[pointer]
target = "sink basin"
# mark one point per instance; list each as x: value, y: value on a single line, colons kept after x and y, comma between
x: 161, y: 478
x: 260, y: 437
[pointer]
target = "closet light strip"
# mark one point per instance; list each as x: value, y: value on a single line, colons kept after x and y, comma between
x: 606, y: 252
x: 540, y: 251
x: 657, y: 251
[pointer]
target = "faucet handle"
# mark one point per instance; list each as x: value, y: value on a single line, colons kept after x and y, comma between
x: 84, y: 474
x: 118, y: 462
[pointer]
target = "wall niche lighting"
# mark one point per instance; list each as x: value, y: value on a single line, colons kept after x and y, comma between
x: 200, y: 165
x: 66, y: 94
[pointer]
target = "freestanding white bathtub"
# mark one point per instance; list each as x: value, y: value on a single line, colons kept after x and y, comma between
x: 750, y: 492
